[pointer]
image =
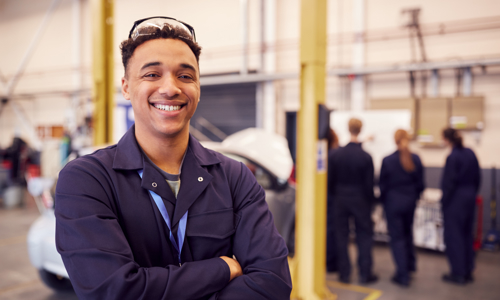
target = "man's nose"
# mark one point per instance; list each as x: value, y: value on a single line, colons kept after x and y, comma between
x: 169, y: 86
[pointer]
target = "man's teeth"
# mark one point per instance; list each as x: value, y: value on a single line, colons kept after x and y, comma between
x: 168, y: 107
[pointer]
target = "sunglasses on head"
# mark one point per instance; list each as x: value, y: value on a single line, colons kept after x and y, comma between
x: 143, y: 27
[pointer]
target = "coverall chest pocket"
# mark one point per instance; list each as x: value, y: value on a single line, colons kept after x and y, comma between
x: 210, y: 234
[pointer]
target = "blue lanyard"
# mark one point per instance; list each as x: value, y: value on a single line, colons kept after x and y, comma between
x: 181, y: 232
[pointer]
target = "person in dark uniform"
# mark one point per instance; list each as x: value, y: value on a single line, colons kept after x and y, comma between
x: 158, y: 216
x: 331, y: 246
x: 351, y: 186
x: 401, y: 182
x: 460, y: 185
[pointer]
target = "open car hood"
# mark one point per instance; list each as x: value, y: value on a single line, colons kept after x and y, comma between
x: 269, y: 150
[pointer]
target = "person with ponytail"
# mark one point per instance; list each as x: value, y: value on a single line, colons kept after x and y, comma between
x: 401, y: 183
x: 460, y: 185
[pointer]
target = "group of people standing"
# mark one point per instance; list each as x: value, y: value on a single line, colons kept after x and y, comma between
x: 401, y: 181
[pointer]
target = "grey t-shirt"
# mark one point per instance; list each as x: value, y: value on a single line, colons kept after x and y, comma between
x: 173, y: 180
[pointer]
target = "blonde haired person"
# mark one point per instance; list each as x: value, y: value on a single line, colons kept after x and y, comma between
x: 401, y: 182
x: 350, y: 188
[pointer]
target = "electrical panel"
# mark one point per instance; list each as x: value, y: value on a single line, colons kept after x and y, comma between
x: 467, y: 113
x: 433, y: 117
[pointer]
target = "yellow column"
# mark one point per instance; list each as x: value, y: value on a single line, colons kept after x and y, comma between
x: 310, y: 257
x: 103, y: 92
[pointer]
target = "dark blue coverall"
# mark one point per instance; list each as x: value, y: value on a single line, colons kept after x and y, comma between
x: 331, y: 245
x: 351, y: 186
x: 115, y: 243
x: 399, y: 192
x: 460, y: 185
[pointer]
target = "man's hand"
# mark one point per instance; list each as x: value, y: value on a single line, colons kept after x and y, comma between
x: 234, y: 267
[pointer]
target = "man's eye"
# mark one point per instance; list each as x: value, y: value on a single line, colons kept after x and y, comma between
x: 185, y: 77
x: 151, y: 75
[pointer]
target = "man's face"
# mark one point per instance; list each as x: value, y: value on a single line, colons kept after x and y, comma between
x: 163, y: 85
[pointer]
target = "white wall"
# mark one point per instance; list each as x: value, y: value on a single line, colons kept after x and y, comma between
x: 48, y: 79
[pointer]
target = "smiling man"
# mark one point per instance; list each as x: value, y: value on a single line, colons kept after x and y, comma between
x: 158, y: 216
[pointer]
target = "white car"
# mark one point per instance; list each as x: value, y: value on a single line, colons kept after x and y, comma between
x: 41, y: 237
x: 265, y: 154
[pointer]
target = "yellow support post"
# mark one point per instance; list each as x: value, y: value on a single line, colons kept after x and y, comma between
x: 103, y: 92
x: 309, y: 265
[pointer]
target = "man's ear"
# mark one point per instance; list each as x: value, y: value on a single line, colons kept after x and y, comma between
x: 125, y: 91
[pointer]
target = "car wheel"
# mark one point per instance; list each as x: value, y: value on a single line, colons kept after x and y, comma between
x: 55, y: 282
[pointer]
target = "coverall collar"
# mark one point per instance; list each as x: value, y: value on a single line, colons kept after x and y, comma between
x: 194, y: 177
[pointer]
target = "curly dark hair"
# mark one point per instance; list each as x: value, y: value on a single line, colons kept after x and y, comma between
x: 128, y: 46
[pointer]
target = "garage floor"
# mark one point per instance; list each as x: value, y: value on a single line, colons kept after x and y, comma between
x: 426, y: 282
x: 19, y: 280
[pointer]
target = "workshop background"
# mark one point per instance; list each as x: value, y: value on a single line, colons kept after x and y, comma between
x: 420, y: 64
